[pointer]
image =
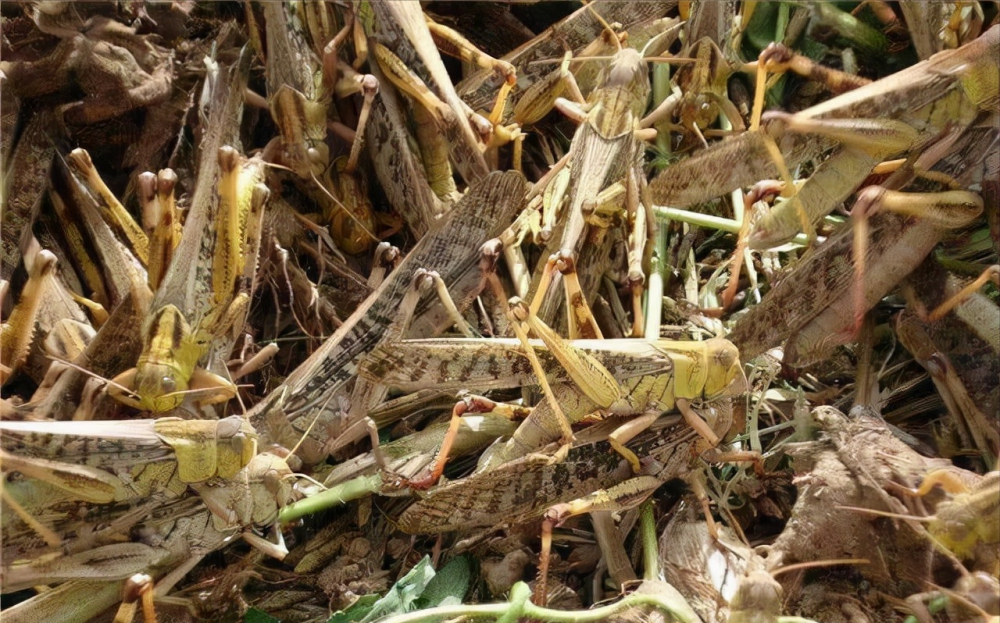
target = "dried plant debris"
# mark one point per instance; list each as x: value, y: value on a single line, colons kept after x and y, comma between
x: 365, y: 311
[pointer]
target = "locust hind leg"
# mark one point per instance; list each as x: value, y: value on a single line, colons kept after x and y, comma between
x: 624, y: 496
x: 642, y: 228
x: 580, y: 317
x: 760, y: 192
x: 454, y: 44
x: 586, y: 372
x: 17, y: 332
x: 865, y: 143
x: 949, y: 210
x: 161, y: 221
x: 138, y: 590
x: 990, y: 275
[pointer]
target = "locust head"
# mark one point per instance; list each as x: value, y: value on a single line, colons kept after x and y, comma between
x: 164, y: 369
x: 160, y: 387
x: 724, y: 373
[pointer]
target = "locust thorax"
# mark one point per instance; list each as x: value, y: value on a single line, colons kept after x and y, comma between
x: 624, y: 94
x: 708, y: 369
x: 352, y: 223
x: 303, y: 131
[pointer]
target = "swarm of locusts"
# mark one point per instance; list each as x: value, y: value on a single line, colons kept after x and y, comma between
x: 365, y: 310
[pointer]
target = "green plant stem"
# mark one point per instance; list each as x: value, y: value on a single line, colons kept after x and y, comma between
x: 705, y: 220
x: 334, y: 496
x: 521, y: 607
x: 650, y: 547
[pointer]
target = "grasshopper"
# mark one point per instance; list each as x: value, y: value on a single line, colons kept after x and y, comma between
x: 126, y: 470
x: 930, y: 103
x: 824, y: 276
x: 401, y: 41
x: 88, y: 206
x: 95, y: 462
x: 205, y: 291
x: 300, y: 90
x: 959, y: 351
x: 709, y: 370
x: 608, y: 147
x: 166, y: 542
x: 451, y: 249
x: 588, y: 479
x: 417, y: 177
x: 574, y: 32
x: 172, y: 347
x: 605, y: 148
x: 648, y: 378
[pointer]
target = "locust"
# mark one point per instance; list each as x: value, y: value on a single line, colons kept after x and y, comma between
x: 606, y: 148
x: 204, y: 294
x: 930, y: 103
x: 405, y: 62
x: 134, y: 479
x: 533, y: 93
x: 827, y: 274
x: 400, y: 40
x: 959, y: 351
x: 452, y: 249
x: 589, y: 478
x: 167, y: 542
x: 102, y: 463
x: 172, y: 347
x: 300, y: 89
x: 100, y: 234
x: 23, y: 186
x: 921, y: 112
x: 648, y: 378
x: 672, y: 375
x: 119, y: 342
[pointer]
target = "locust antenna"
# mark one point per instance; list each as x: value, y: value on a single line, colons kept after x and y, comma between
x: 91, y: 374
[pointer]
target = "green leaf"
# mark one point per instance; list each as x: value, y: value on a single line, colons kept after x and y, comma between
x: 402, y: 596
x: 448, y: 586
x: 761, y: 29
x: 357, y: 611
x: 254, y: 615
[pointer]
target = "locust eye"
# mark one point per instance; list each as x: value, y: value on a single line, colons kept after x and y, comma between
x: 168, y: 384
